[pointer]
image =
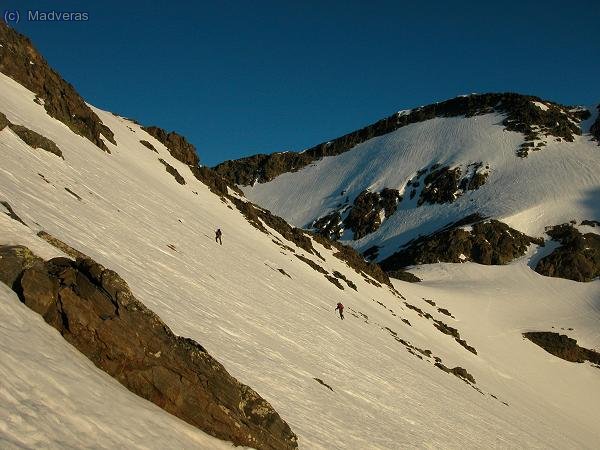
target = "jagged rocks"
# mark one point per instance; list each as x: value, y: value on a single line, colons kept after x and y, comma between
x: 23, y: 63
x: 484, y: 242
x: 578, y: 257
x: 329, y: 226
x: 365, y: 216
x: 441, y: 186
x: 94, y: 310
x: 177, y: 145
x: 445, y: 184
x: 562, y: 346
x: 172, y: 171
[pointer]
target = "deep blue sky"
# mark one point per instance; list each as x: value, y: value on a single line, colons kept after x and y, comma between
x: 244, y: 77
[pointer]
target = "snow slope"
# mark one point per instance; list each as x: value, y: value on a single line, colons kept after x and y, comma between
x: 557, y: 184
x: 273, y: 332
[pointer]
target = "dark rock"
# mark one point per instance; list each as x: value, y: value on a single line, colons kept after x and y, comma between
x: 521, y: 116
x: 65, y: 248
x: 11, y: 213
x: 215, y: 182
x: 489, y: 242
x: 562, y: 346
x: 595, y: 128
x: 334, y: 281
x: 172, y: 171
x: 403, y: 275
x: 341, y: 276
x: 35, y: 140
x: 23, y: 63
x: 14, y: 259
x: 73, y: 193
x: 591, y: 223
x: 148, y: 145
x: 177, y: 145
x: 441, y: 186
x: 329, y: 226
x: 316, y: 267
x: 457, y: 372
x: 94, y: 310
x: 578, y: 257
x: 4, y: 122
x: 321, y: 382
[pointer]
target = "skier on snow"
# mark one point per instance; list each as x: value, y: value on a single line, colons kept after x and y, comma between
x: 218, y: 235
x: 340, y: 307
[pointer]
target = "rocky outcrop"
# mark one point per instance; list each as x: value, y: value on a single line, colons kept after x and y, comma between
x: 595, y: 128
x: 577, y: 258
x: 35, y: 140
x: 521, y: 115
x: 23, y: 63
x: 172, y: 171
x: 94, y: 310
x: 365, y: 216
x: 148, y: 145
x: 30, y: 137
x: 11, y: 213
x: 562, y: 346
x: 471, y: 239
x: 177, y: 145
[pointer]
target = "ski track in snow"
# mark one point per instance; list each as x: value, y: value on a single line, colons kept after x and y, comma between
x: 271, y: 332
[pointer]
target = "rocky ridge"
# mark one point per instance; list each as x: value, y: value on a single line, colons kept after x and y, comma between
x: 23, y: 63
x: 536, y: 119
x: 577, y: 258
x: 474, y: 239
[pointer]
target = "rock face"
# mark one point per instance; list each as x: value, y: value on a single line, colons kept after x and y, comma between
x: 94, y: 310
x: 23, y: 63
x: 562, y: 346
x: 522, y: 115
x: 578, y: 257
x: 177, y: 145
x: 472, y: 239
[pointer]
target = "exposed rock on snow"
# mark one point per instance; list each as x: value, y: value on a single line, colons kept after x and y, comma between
x: 562, y: 346
x: 30, y: 137
x: 488, y: 242
x: 578, y: 257
x: 58, y: 97
x: 94, y: 310
x: 148, y: 145
x: 172, y: 171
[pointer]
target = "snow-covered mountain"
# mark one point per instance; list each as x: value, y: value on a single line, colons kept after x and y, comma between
x: 526, y: 162
x: 441, y: 363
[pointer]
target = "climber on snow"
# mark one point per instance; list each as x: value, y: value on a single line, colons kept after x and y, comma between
x: 340, y: 307
x: 218, y: 235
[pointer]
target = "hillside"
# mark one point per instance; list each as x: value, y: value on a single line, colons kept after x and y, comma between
x: 442, y: 363
x: 445, y: 172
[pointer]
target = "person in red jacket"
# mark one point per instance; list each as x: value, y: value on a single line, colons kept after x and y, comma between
x: 340, y: 307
